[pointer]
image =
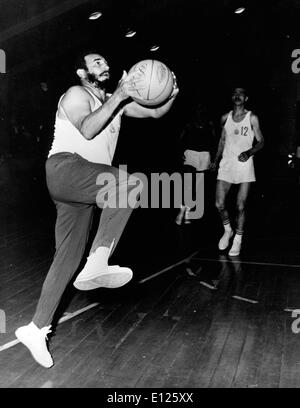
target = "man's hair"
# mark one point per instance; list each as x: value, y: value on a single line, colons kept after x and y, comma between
x: 80, y: 62
x: 240, y: 87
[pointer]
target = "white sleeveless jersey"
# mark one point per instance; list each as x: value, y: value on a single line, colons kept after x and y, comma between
x: 239, y: 136
x: 100, y: 149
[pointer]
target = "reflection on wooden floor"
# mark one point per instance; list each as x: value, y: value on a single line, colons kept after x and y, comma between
x: 213, y: 322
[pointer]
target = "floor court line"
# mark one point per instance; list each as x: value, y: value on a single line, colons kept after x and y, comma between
x: 61, y: 320
x: 92, y: 305
x: 168, y: 268
x: 246, y: 262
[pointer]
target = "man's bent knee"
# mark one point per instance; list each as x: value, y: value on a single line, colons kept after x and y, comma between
x: 220, y: 205
x: 241, y: 206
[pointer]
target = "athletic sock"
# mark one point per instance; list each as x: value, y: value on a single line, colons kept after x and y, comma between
x: 186, y: 215
x: 227, y: 226
x: 238, y: 235
x: 180, y: 215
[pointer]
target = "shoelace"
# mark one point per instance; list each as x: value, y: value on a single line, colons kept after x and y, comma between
x: 45, y: 331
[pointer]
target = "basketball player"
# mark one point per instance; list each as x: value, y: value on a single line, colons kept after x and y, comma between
x: 86, y: 133
x: 196, y: 143
x: 239, y: 129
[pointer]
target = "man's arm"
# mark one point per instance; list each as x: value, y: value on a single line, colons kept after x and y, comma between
x: 244, y: 156
x: 76, y: 104
x: 221, y: 144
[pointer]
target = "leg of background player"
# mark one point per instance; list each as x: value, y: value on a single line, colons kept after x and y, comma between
x: 222, y: 190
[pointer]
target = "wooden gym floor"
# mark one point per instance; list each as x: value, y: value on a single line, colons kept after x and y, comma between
x: 214, y: 321
x: 191, y: 317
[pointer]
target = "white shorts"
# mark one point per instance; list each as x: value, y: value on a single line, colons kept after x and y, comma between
x: 199, y: 160
x: 236, y: 172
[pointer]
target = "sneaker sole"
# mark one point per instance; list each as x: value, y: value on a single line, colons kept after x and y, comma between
x: 112, y: 279
x: 234, y: 253
x: 223, y: 248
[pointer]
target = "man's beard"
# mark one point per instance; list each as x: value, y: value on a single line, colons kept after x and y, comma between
x: 93, y: 80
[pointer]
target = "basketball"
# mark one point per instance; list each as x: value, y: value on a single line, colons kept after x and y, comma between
x: 157, y: 82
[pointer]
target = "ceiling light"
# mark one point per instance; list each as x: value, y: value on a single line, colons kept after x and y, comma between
x: 239, y: 10
x: 95, y: 15
x: 154, y: 48
x: 130, y: 34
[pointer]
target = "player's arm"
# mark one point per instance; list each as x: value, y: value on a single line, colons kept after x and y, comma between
x: 135, y: 110
x: 244, y: 156
x: 77, y: 106
x: 221, y: 144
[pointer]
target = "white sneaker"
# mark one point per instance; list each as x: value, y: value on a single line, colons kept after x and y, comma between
x: 35, y: 340
x: 224, y: 241
x: 236, y: 247
x: 94, y: 275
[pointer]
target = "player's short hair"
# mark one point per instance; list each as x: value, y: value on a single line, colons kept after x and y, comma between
x: 80, y: 62
x: 240, y: 87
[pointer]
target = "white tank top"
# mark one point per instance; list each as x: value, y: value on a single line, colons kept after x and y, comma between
x: 239, y: 136
x: 100, y: 149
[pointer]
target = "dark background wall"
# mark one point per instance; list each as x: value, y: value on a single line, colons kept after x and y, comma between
x: 208, y: 46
